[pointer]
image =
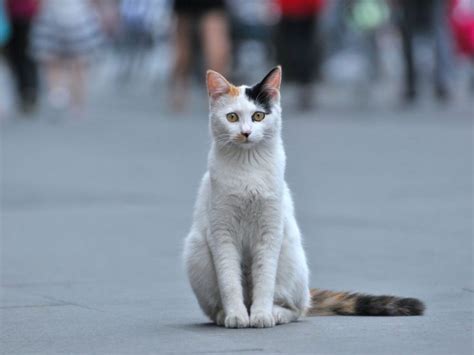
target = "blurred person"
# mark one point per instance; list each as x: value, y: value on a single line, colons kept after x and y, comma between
x: 252, y: 29
x: 66, y: 34
x: 353, y: 54
x: 4, y: 25
x: 24, y: 68
x: 109, y: 14
x: 210, y: 17
x: 4, y: 35
x: 136, y: 34
x: 462, y: 22
x: 428, y: 17
x: 298, y: 45
x: 368, y: 17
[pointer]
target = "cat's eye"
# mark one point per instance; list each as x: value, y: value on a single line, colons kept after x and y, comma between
x: 232, y: 117
x: 258, y: 116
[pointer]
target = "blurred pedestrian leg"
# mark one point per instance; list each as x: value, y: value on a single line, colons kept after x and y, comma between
x: 214, y: 37
x: 368, y: 18
x: 429, y: 17
x: 23, y: 66
x: 298, y: 45
x: 136, y: 35
x: 210, y: 19
x: 182, y: 62
x: 66, y: 80
x: 444, y: 55
x: 56, y: 77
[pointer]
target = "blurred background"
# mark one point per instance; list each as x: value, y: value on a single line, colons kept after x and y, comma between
x: 104, y: 137
x: 60, y: 58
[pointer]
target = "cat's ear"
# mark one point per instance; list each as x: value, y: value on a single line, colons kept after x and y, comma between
x: 271, y: 82
x: 217, y: 85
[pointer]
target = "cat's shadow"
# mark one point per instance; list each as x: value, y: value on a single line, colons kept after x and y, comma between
x: 209, y: 326
x: 198, y: 327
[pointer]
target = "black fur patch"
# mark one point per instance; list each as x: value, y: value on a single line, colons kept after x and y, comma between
x: 388, y: 306
x: 258, y: 95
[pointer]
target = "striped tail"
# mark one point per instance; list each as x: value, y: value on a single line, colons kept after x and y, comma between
x: 326, y: 303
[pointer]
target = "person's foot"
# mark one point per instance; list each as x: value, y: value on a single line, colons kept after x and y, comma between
x: 27, y: 107
x: 59, y: 98
x: 442, y: 94
x: 28, y: 102
x: 409, y: 96
x: 58, y: 102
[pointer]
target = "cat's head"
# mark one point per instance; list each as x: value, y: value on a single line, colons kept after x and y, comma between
x: 244, y: 116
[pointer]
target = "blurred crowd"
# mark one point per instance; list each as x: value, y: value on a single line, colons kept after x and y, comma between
x: 50, y: 46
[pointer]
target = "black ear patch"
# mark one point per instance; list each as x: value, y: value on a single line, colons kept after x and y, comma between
x: 259, y: 95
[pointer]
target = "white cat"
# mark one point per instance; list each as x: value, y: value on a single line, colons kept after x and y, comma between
x: 244, y: 255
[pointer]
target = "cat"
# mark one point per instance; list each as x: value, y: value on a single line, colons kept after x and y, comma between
x: 244, y: 255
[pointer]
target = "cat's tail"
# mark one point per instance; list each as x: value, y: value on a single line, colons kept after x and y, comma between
x: 327, y: 303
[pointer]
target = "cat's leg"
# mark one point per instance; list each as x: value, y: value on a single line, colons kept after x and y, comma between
x: 292, y: 297
x: 202, y: 276
x: 228, y: 266
x: 228, y: 271
x: 263, y: 281
x: 265, y: 252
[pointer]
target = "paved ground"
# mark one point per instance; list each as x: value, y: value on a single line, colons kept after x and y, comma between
x: 94, y: 214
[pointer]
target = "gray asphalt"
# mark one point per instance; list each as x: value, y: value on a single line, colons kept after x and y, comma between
x: 94, y: 213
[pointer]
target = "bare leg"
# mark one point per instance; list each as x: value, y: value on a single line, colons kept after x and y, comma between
x: 180, y: 74
x: 77, y: 83
x: 56, y: 73
x: 215, y: 39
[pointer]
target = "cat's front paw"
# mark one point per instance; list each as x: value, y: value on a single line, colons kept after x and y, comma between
x: 262, y: 319
x: 237, y: 320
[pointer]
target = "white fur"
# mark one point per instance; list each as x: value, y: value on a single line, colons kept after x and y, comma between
x: 243, y: 255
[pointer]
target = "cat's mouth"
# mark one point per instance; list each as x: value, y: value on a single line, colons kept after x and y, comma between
x: 244, y: 143
x: 241, y: 139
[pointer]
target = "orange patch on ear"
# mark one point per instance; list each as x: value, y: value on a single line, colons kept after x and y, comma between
x: 217, y: 85
x: 233, y: 90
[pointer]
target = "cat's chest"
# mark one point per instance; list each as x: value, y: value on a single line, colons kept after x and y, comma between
x: 251, y: 187
x: 249, y: 214
x: 246, y: 199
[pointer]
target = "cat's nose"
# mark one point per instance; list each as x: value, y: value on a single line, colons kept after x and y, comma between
x: 246, y: 134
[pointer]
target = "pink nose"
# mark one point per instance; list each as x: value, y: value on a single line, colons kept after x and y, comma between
x: 246, y: 134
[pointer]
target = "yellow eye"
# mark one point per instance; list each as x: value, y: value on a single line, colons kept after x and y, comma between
x: 258, y: 116
x: 232, y: 117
